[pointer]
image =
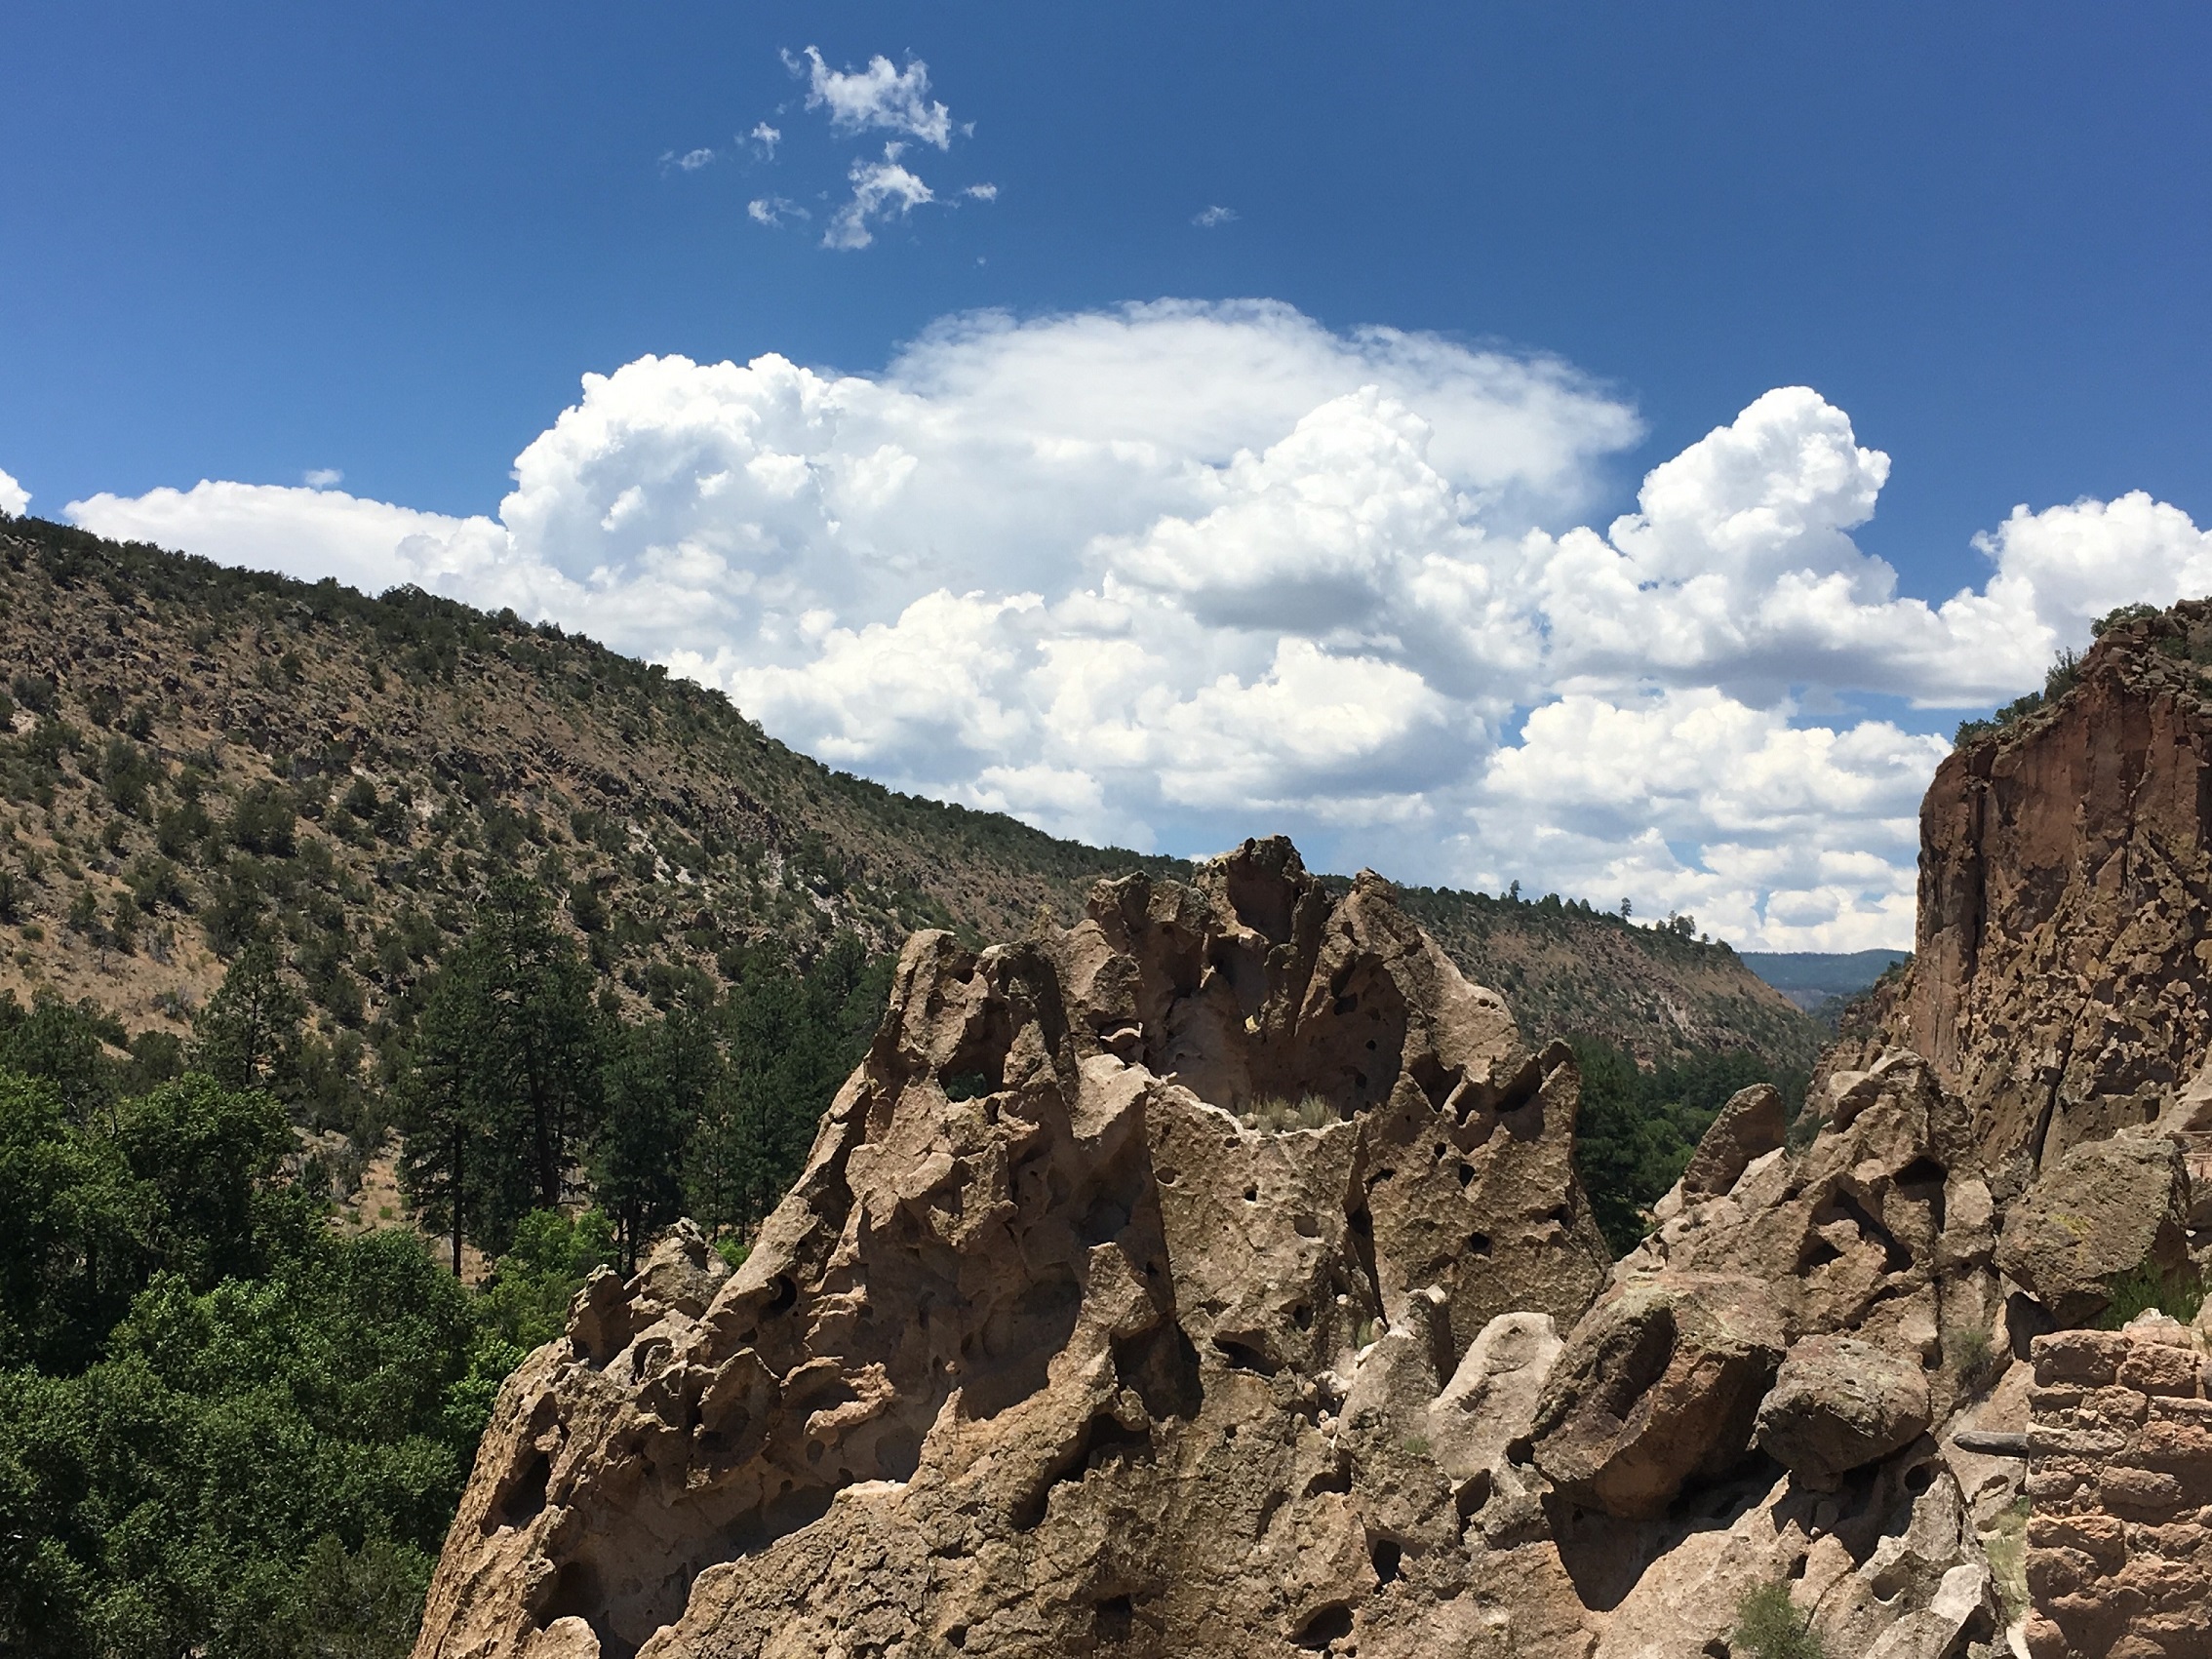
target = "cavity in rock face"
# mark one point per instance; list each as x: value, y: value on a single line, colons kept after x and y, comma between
x: 1106, y: 1316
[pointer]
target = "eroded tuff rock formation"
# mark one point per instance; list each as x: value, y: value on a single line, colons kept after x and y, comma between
x: 1212, y: 1277
x: 2062, y: 981
x: 1055, y: 1346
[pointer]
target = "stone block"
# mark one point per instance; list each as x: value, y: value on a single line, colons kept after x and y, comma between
x: 2077, y: 1357
x: 2138, y: 1492
x: 2155, y: 1367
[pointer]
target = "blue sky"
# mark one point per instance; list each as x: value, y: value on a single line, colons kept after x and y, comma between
x: 252, y: 242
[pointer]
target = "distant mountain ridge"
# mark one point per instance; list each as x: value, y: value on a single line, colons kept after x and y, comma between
x: 1813, y: 979
x: 191, y: 756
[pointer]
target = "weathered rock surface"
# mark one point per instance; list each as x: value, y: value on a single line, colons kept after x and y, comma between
x: 1049, y: 1352
x: 1749, y: 1127
x: 1658, y: 1386
x: 2060, y: 976
x: 1883, y: 1229
x: 2120, y: 1557
x: 1837, y: 1405
x: 2103, y: 1208
x: 1056, y: 1349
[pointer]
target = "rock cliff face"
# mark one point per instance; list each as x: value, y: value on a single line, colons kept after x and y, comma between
x: 1066, y: 1340
x: 2060, y: 981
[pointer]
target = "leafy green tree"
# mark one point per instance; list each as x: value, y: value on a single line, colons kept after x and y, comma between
x: 74, y: 1249
x: 248, y: 1036
x: 1637, y: 1128
x: 502, y: 1093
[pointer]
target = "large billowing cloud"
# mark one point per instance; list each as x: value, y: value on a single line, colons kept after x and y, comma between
x: 1175, y: 574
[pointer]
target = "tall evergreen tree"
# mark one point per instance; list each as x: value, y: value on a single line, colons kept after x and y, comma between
x: 660, y: 1077
x: 248, y: 1036
x: 501, y: 1094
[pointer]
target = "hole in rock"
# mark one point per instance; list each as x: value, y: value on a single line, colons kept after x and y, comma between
x: 786, y: 1294
x: 527, y: 1496
x: 1919, y: 1478
x: 1370, y: 1044
x: 785, y: 1513
x: 957, y: 1637
x: 1362, y: 1223
x: 1113, y: 1619
x: 1163, y: 1366
x: 1922, y: 1181
x: 1018, y: 1342
x: 1166, y: 1174
x: 1521, y: 1451
x: 1252, y: 1195
x: 1716, y: 1649
x: 1844, y: 1206
x: 1349, y: 1004
x: 1798, y: 1566
x: 1478, y: 1244
x: 576, y: 1592
x: 1302, y: 1317
x: 1331, y: 1623
x: 1336, y: 1478
x: 968, y: 1085
x: 1385, y: 1553
x: 1243, y: 1357
x: 1562, y: 1213
x: 1466, y: 1174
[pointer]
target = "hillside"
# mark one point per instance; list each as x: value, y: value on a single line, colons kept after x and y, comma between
x: 1812, y: 979
x: 197, y: 756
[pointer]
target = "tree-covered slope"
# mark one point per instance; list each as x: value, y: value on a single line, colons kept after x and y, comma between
x: 193, y: 757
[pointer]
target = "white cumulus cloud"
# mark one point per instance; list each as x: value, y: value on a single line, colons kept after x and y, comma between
x: 15, y: 499
x: 1173, y: 573
x: 880, y: 95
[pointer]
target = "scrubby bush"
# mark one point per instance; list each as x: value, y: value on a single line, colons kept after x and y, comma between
x: 1768, y: 1626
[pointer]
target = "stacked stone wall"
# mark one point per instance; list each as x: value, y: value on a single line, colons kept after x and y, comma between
x: 2119, y: 1484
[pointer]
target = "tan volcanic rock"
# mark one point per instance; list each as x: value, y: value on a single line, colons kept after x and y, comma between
x: 1839, y: 1404
x: 1659, y: 1385
x: 2103, y: 1208
x: 2059, y: 977
x: 1054, y: 1349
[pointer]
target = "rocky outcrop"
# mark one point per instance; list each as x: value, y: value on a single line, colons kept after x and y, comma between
x: 2104, y: 1210
x: 1839, y: 1404
x: 1658, y: 1386
x: 2060, y: 978
x: 1063, y: 1343
x: 1749, y: 1127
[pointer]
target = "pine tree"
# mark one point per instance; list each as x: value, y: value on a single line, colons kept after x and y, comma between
x: 501, y: 1094
x: 248, y: 1036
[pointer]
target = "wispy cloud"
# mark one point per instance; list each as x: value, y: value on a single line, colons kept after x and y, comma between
x: 690, y: 161
x: 879, y: 190
x: 773, y: 210
x: 764, y: 139
x: 322, y: 477
x: 982, y: 192
x: 1208, y: 218
x: 879, y: 95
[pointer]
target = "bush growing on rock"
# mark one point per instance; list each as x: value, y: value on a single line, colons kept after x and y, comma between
x: 1768, y: 1626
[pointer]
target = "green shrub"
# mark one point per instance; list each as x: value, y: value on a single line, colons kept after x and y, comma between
x: 1768, y: 1626
x: 2143, y: 1288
